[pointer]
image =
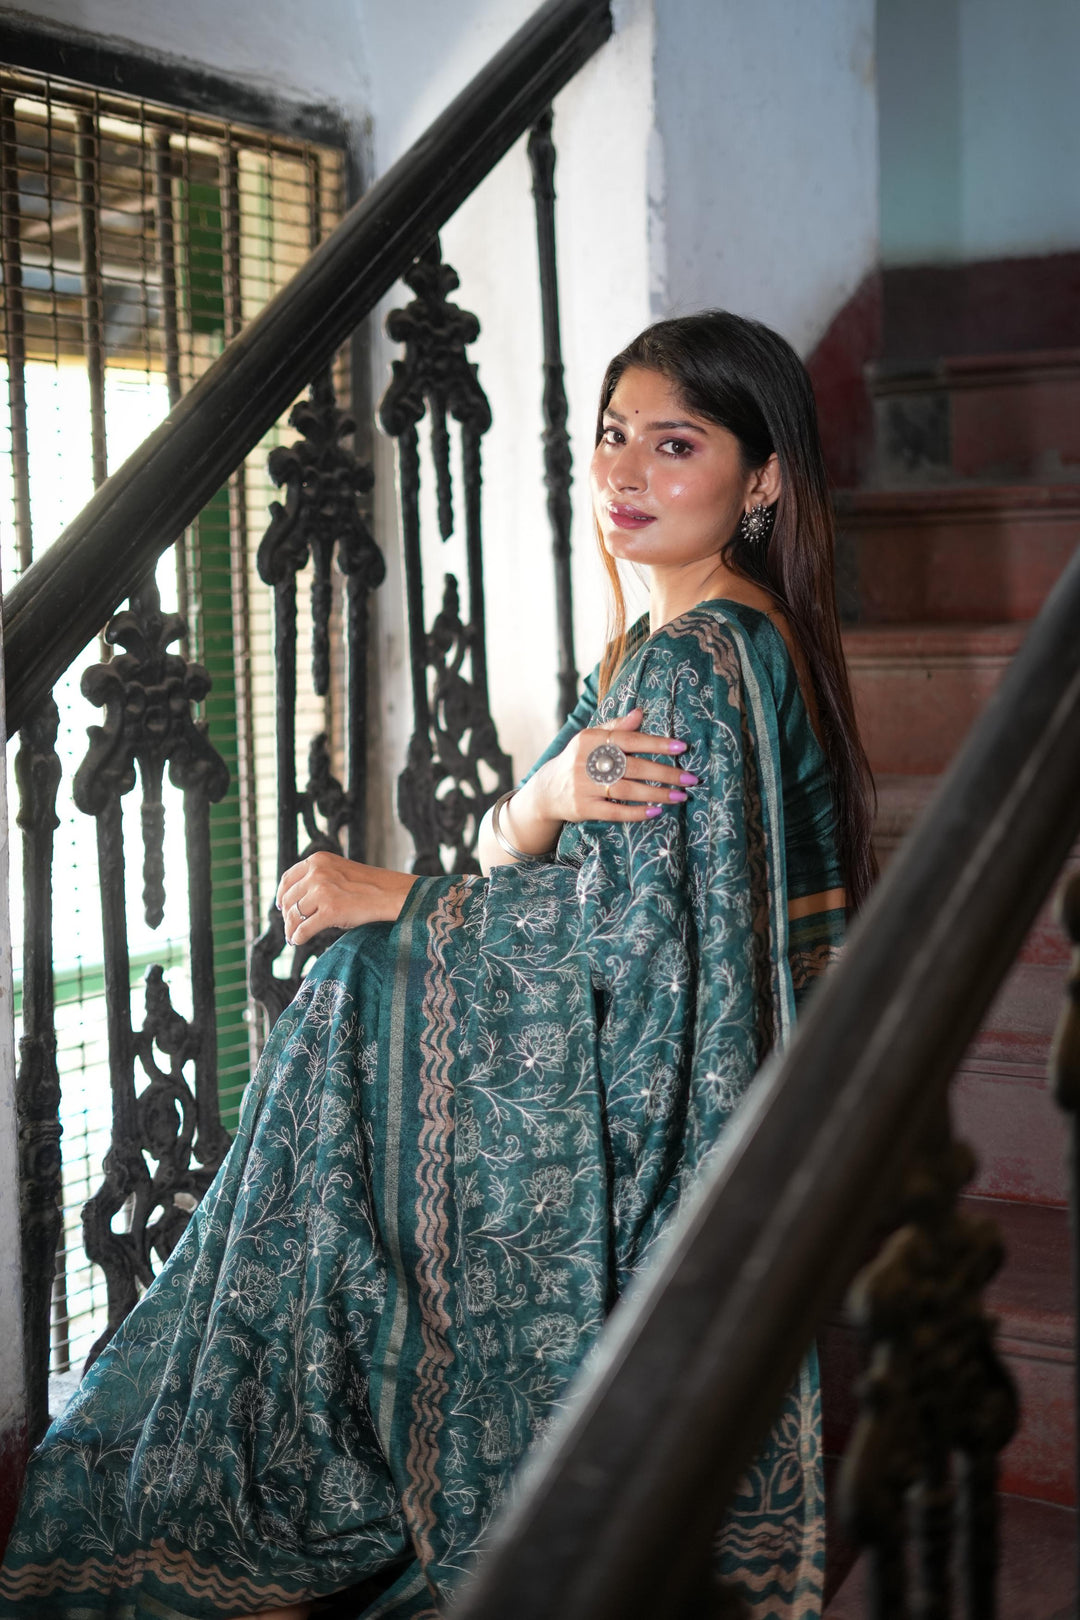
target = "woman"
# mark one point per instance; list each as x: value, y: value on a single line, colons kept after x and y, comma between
x: 481, y: 1110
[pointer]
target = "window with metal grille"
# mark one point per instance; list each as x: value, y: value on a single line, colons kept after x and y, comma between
x: 138, y: 239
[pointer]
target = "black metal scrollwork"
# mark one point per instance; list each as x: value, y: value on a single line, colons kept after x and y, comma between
x: 322, y: 480
x: 442, y: 792
x: 322, y: 796
x: 148, y: 694
x: 321, y: 514
x: 935, y: 1391
x: 558, y: 461
x: 37, y: 1085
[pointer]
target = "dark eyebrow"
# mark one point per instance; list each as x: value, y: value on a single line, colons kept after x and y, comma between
x: 653, y: 427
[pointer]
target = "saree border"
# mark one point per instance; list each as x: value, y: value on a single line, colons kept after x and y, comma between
x: 384, y: 1417
x: 728, y: 646
x: 435, y: 1109
x: 101, y: 1576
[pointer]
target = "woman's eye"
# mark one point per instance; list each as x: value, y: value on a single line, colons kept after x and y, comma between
x: 613, y: 435
x: 677, y: 447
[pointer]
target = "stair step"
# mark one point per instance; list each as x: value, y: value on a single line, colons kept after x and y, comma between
x: 1032, y: 1293
x: 976, y: 553
x: 976, y: 416
x: 1008, y: 1116
x: 901, y: 801
x: 919, y: 687
x: 1033, y: 1301
x: 1037, y: 1578
x: 1021, y: 1022
x: 1002, y: 1102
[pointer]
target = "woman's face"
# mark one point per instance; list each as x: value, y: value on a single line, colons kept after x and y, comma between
x: 668, y: 487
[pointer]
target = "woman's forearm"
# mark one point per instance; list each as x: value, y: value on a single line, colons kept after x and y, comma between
x: 524, y: 823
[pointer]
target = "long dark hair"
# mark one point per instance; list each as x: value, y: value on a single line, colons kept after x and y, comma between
x: 746, y: 378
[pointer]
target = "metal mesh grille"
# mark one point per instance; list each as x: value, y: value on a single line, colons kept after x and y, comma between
x: 136, y: 242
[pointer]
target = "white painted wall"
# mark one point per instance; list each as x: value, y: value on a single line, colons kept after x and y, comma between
x: 918, y: 47
x: 766, y: 123
x: 980, y: 129
x: 1020, y: 126
x: 306, y: 51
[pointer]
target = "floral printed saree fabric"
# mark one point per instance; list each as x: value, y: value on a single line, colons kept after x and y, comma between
x: 464, y: 1138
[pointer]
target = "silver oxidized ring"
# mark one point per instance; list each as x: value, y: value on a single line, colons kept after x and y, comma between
x: 606, y: 764
x: 303, y: 916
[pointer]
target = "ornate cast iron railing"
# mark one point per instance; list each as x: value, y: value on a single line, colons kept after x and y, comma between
x: 167, y: 1137
x: 557, y: 459
x: 441, y: 797
x: 37, y: 1087
x: 322, y: 480
x: 935, y: 1391
x: 147, y: 694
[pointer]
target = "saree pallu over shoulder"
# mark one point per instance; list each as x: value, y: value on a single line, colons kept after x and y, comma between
x: 465, y: 1137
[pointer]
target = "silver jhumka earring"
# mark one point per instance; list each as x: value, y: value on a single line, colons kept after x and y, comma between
x: 755, y: 526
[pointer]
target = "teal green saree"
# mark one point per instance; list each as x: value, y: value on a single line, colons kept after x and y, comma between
x: 465, y: 1137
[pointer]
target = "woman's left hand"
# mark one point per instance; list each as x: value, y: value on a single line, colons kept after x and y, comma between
x: 327, y: 891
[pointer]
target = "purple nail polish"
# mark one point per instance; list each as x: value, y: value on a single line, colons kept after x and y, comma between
x: 676, y: 796
x: 676, y: 747
x: 688, y: 779
x: 655, y: 810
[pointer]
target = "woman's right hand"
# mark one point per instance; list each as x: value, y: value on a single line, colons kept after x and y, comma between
x: 562, y: 790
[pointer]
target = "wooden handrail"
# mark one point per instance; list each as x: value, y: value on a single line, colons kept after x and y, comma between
x: 67, y: 594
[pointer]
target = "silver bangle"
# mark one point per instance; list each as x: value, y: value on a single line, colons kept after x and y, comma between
x: 501, y: 838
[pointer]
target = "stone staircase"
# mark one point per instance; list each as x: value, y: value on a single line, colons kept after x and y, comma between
x: 974, y: 512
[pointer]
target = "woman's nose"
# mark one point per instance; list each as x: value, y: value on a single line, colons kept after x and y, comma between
x: 627, y: 471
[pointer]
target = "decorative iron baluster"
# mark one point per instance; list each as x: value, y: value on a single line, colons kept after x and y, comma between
x: 37, y: 774
x: 558, y: 461
x: 935, y: 1391
x: 323, y: 483
x: 441, y: 794
x: 1065, y: 1080
x: 37, y: 1086
x: 147, y: 694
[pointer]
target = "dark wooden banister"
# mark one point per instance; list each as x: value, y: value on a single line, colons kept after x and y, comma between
x: 63, y: 599
x: 615, y: 1519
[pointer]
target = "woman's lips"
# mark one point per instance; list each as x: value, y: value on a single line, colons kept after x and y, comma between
x: 629, y: 517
